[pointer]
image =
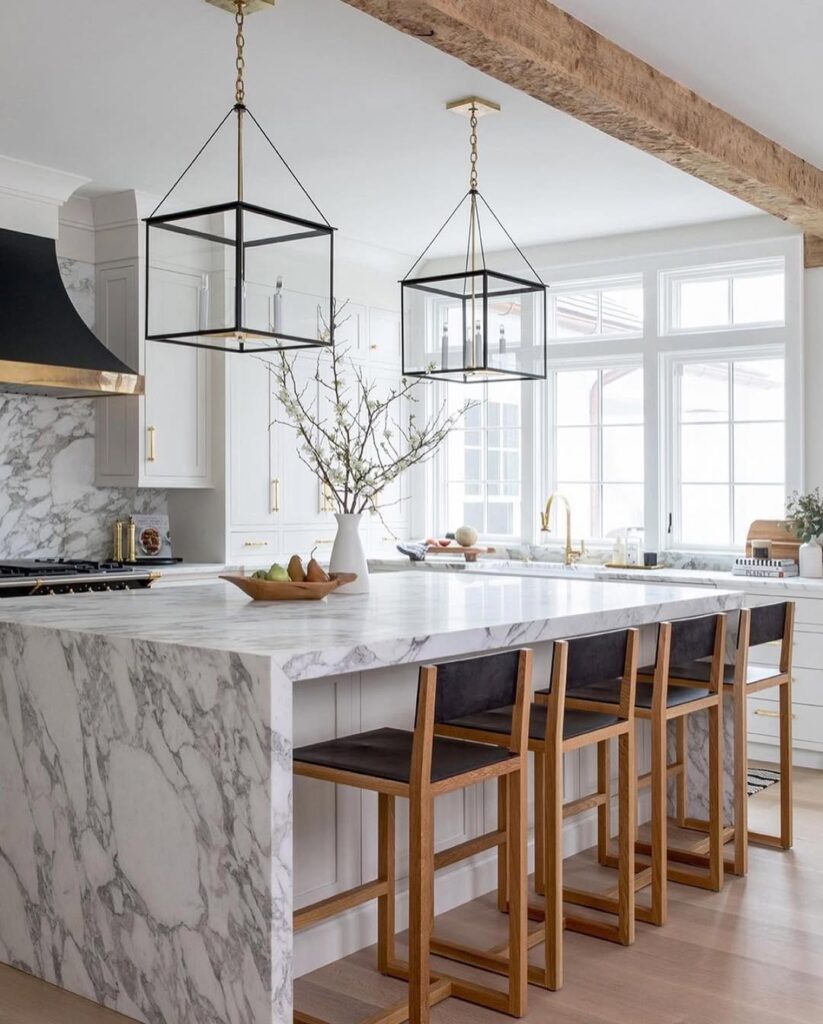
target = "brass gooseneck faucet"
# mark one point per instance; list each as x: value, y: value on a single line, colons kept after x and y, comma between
x: 571, y: 555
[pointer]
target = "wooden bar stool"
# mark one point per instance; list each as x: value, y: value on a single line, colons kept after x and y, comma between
x: 553, y: 732
x: 420, y: 766
x: 662, y: 699
x: 763, y: 624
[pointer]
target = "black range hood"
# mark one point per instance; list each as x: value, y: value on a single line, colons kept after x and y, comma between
x: 45, y: 348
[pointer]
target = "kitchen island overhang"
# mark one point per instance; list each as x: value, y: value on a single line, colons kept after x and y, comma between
x: 146, y: 814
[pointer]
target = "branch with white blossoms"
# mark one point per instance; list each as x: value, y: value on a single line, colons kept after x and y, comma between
x: 354, y: 438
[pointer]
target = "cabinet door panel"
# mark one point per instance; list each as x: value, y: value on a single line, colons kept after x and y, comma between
x: 177, y: 386
x: 384, y: 335
x: 253, y: 479
x: 301, y: 498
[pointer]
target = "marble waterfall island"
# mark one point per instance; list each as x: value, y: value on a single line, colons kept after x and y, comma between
x: 146, y: 813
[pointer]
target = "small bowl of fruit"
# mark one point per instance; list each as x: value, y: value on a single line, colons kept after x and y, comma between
x: 290, y: 583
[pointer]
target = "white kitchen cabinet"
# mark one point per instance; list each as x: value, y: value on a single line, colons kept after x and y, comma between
x: 163, y: 438
x: 269, y: 484
x: 384, y: 337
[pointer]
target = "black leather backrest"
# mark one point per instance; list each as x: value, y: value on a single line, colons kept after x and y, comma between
x: 768, y: 623
x: 593, y: 659
x: 693, y: 639
x: 476, y: 684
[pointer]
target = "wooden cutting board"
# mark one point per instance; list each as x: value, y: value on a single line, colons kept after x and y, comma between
x: 784, y: 541
x: 470, y: 554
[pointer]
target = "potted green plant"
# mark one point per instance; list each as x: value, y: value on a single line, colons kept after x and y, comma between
x: 805, y: 513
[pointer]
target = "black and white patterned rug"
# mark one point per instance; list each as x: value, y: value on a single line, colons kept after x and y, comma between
x: 761, y: 778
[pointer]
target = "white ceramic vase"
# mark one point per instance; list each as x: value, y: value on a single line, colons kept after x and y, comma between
x: 810, y: 560
x: 348, y: 555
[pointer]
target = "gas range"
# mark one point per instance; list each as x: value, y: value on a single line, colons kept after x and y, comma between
x: 30, y: 576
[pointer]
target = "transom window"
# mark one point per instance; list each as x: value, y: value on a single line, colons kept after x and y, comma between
x: 723, y: 297
x: 596, y: 309
x: 598, y: 446
x: 729, y: 462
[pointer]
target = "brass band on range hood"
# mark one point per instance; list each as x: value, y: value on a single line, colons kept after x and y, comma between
x: 68, y: 381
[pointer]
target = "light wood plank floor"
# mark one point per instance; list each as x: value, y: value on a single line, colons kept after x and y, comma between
x: 752, y: 954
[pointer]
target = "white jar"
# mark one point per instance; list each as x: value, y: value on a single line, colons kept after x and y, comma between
x: 810, y: 558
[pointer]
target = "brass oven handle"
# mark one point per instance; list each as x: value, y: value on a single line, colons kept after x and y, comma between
x: 765, y: 713
x: 152, y: 457
x: 275, y: 495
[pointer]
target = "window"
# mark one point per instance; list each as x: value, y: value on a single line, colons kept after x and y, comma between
x: 598, y: 446
x: 723, y: 297
x: 602, y: 309
x: 484, y: 460
x: 673, y: 402
x: 730, y: 463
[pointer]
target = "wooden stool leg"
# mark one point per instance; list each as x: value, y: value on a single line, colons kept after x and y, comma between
x: 421, y: 902
x: 386, y: 873
x: 627, y: 829
x: 517, y: 892
x: 604, y: 811
x: 502, y: 850
x: 681, y: 782
x: 786, y: 829
x: 659, y: 821
x: 741, y: 787
x: 539, y: 824
x: 553, y: 870
x: 716, y: 797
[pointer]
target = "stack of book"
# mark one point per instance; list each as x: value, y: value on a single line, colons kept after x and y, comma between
x: 770, y: 568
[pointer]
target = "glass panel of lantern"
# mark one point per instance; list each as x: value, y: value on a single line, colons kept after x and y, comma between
x: 239, y: 277
x: 474, y: 326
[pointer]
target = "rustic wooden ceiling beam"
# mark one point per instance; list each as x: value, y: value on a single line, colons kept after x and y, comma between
x: 537, y: 48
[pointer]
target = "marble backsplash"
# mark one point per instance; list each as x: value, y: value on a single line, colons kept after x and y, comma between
x: 49, y: 504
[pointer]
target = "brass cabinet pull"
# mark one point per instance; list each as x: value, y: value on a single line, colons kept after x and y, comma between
x: 255, y: 543
x: 326, y: 504
x: 152, y: 456
x: 320, y: 540
x: 765, y: 713
x: 275, y: 495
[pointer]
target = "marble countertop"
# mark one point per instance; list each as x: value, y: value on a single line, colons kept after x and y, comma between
x: 407, y: 617
x: 600, y: 573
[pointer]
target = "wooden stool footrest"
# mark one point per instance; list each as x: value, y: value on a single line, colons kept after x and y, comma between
x: 470, y: 848
x: 337, y: 904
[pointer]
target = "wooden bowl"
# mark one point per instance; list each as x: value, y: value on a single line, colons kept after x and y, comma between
x: 288, y: 590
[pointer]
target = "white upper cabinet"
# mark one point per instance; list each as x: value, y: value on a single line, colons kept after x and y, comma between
x: 162, y: 439
x: 269, y: 484
x: 384, y: 336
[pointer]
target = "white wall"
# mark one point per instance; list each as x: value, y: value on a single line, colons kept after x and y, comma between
x: 813, y: 376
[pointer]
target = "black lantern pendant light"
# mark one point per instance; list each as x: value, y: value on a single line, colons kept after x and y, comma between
x: 236, y: 276
x: 474, y: 324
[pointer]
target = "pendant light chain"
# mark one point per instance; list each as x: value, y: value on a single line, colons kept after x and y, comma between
x: 473, y: 145
x: 240, y: 62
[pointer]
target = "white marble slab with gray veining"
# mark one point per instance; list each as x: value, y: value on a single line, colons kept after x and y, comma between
x: 145, y: 767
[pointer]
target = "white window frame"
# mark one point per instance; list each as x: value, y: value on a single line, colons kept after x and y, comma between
x: 670, y: 362
x: 599, y: 284
x: 670, y: 294
x: 591, y: 363
x: 651, y: 256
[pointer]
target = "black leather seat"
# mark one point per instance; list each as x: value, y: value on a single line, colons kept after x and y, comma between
x: 575, y: 723
x: 387, y: 754
x: 609, y: 693
x: 701, y: 670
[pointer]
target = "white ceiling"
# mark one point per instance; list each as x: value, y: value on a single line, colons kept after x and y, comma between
x: 124, y: 93
x: 757, y: 59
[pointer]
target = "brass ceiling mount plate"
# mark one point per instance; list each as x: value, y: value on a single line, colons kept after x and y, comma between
x: 248, y: 8
x: 464, y: 106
